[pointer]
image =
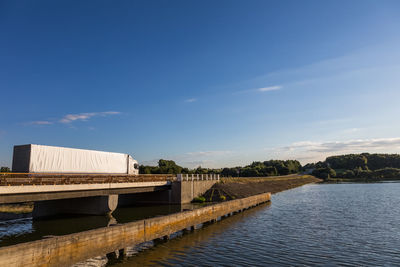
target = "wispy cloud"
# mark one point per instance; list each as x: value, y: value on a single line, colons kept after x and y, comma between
x: 311, y: 150
x: 260, y: 90
x: 203, y: 158
x: 69, y: 118
x: 208, y: 153
x: 40, y: 123
x: 209, y: 158
x: 190, y: 100
x: 270, y: 88
x: 85, y: 116
x: 342, y: 146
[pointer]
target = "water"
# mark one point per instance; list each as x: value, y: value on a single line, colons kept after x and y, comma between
x: 24, y: 230
x: 322, y: 224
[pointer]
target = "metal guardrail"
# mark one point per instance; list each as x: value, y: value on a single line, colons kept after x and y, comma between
x: 197, y: 177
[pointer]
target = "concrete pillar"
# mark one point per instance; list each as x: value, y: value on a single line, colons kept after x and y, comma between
x: 185, y: 191
x: 122, y: 253
x: 112, y: 256
x: 100, y: 205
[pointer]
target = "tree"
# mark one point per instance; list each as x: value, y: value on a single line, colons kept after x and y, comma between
x: 324, y: 173
x: 5, y: 169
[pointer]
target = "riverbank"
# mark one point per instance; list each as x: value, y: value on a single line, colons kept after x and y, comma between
x: 233, y: 188
x: 359, y: 180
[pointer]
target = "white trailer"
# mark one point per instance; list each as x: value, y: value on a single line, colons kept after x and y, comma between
x: 51, y: 159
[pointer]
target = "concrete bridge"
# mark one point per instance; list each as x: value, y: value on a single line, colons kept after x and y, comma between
x: 98, y: 194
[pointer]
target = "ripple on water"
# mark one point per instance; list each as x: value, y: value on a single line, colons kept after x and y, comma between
x: 330, y: 225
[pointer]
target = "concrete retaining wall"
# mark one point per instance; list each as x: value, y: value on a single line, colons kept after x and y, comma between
x: 69, y: 249
x: 185, y: 191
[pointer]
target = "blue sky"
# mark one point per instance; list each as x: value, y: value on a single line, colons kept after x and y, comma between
x: 210, y: 83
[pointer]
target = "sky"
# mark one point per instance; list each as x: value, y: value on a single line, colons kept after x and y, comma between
x: 210, y: 83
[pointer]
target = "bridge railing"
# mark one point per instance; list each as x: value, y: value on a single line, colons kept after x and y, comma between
x: 197, y: 177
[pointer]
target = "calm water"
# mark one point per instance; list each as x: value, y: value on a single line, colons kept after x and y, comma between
x: 328, y: 224
x: 321, y: 224
x: 24, y: 230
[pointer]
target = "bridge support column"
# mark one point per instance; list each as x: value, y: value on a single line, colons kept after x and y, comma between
x: 184, y: 191
x: 99, y: 205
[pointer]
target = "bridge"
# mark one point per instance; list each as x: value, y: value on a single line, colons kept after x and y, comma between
x: 98, y: 194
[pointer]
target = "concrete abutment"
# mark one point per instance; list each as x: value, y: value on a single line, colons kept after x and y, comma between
x: 99, y: 205
x: 180, y: 192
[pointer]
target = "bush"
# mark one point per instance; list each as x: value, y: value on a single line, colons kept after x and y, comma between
x: 199, y: 199
x: 324, y: 173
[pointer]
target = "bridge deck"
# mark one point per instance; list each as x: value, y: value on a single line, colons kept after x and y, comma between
x: 26, y: 187
x: 22, y: 179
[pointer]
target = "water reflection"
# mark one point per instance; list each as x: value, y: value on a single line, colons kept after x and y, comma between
x: 183, y: 243
x: 323, y: 225
x: 24, y: 230
x: 162, y: 251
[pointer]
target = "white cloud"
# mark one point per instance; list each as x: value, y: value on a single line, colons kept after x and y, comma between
x: 260, y: 90
x: 85, y: 116
x: 351, y: 145
x: 190, y: 100
x: 208, y: 153
x: 40, y: 122
x: 270, y: 88
x: 69, y: 118
x: 307, y: 151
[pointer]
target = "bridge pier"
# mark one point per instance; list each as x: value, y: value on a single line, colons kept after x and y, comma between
x: 99, y: 205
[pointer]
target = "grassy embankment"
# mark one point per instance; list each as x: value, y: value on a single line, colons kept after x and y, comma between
x: 16, y: 208
x: 15, y: 211
x: 233, y: 188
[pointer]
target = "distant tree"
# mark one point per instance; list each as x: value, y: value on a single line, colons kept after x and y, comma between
x: 249, y: 172
x: 169, y: 167
x: 5, y: 169
x: 324, y: 173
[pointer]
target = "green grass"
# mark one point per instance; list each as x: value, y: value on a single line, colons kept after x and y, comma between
x: 9, y: 208
x: 199, y: 199
x: 262, y: 179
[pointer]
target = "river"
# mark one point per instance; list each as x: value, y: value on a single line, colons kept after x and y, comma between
x: 316, y: 224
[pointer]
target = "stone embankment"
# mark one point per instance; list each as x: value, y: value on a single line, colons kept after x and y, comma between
x: 233, y: 188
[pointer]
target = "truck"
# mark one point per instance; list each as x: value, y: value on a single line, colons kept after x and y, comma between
x: 33, y: 158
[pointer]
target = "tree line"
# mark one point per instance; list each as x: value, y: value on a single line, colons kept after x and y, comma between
x: 358, y: 166
x: 256, y: 169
